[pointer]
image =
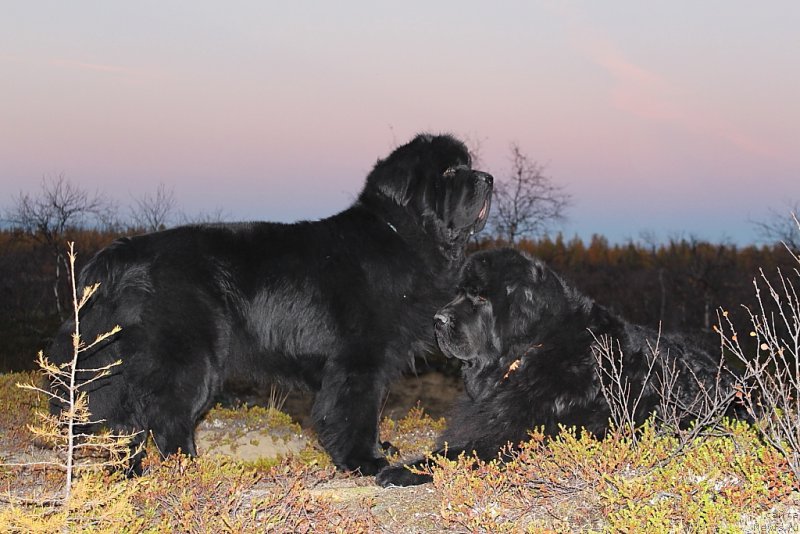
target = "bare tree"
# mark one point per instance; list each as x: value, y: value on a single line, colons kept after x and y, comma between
x: 780, y: 227
x: 215, y: 216
x: 59, y: 206
x: 475, y: 148
x: 527, y: 203
x: 154, y: 212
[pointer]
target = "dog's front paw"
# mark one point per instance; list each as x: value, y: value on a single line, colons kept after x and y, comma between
x: 364, y: 466
x: 400, y: 475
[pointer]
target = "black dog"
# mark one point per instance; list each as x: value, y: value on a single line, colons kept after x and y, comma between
x: 526, y: 340
x: 339, y: 305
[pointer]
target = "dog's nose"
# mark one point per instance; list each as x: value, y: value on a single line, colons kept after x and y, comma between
x: 486, y: 177
x: 440, y: 319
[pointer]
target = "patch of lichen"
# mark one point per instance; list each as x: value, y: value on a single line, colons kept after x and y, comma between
x: 248, y: 417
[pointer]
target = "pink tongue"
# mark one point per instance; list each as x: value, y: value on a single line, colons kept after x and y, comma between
x: 482, y: 212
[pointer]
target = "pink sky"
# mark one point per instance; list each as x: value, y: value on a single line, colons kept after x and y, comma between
x: 676, y: 118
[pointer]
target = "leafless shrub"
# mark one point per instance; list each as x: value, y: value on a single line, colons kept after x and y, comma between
x: 76, y: 449
x: 622, y: 399
x: 689, y: 416
x: 677, y: 411
x: 772, y: 393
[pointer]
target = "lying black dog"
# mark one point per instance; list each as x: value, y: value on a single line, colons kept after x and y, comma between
x: 339, y: 306
x: 526, y: 340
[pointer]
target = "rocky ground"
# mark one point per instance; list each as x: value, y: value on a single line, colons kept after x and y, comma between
x: 413, y: 509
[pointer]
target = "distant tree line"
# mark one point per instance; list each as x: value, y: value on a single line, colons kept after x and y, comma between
x: 36, y: 227
x: 679, y: 284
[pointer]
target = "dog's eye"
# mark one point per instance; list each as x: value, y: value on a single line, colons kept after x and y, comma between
x: 450, y: 172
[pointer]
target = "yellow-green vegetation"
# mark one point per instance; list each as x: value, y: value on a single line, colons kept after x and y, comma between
x: 17, y: 406
x: 74, y: 449
x: 245, y: 417
x: 215, y: 494
x: 207, y: 494
x: 715, y: 484
x: 731, y: 482
x: 99, y: 502
x: 212, y: 493
x: 314, y: 455
x: 414, y: 434
x: 260, y: 437
x: 246, y: 425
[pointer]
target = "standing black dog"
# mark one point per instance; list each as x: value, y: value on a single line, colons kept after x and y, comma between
x: 526, y: 341
x: 339, y: 305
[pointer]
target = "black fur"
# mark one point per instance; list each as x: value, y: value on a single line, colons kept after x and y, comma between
x: 512, y: 307
x: 339, y: 305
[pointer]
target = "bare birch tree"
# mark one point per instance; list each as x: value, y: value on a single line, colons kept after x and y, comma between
x: 527, y: 203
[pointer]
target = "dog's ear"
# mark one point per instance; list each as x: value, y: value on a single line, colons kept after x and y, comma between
x: 516, y: 291
x: 538, y: 272
x: 398, y: 175
x: 476, y: 274
x: 535, y: 296
x: 392, y: 181
x: 523, y: 289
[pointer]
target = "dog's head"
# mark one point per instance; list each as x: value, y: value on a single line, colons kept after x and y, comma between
x: 432, y: 180
x: 504, y: 297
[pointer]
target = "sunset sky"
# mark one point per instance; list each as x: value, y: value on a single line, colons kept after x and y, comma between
x: 674, y: 118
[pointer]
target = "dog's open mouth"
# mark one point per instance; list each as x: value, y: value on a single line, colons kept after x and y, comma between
x: 483, y: 214
x: 484, y: 210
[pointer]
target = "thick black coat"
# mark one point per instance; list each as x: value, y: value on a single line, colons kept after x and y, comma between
x: 513, y: 308
x: 338, y: 306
